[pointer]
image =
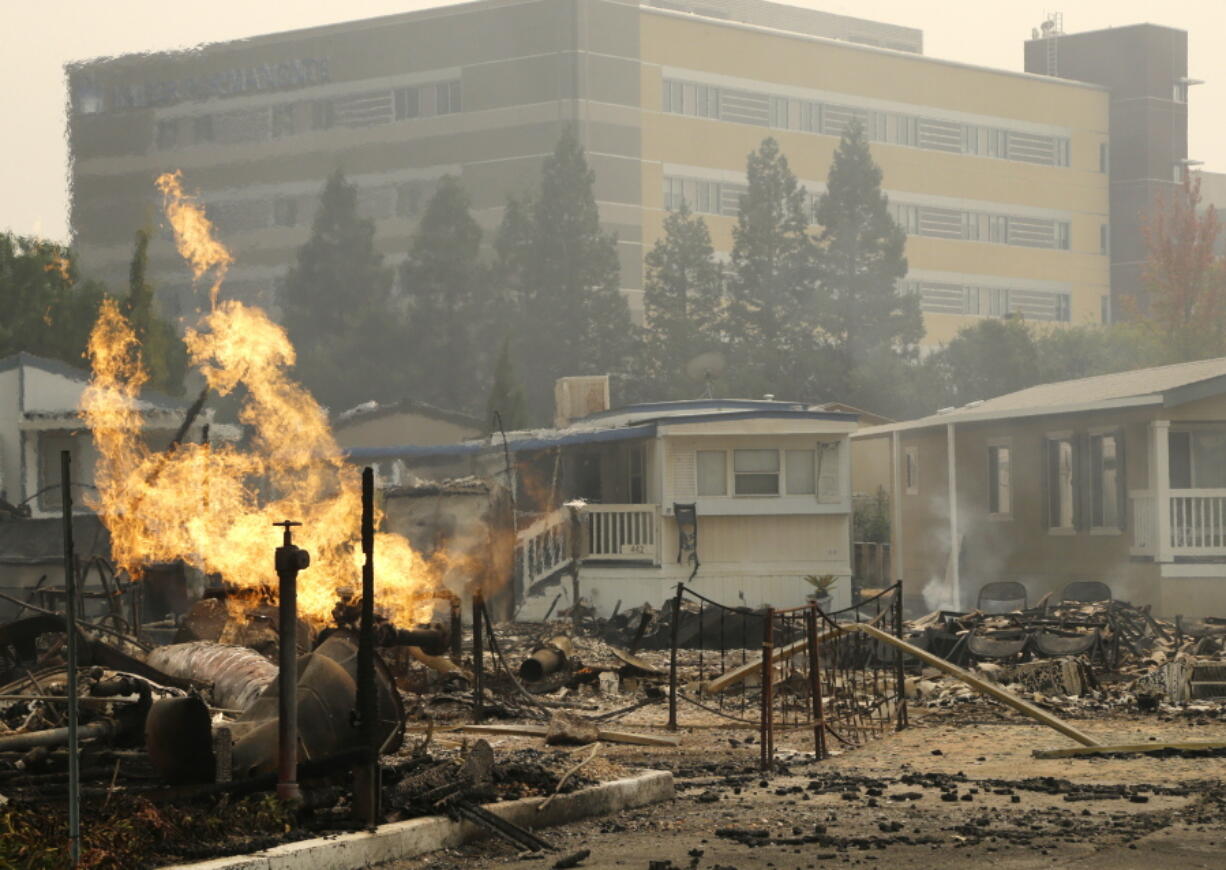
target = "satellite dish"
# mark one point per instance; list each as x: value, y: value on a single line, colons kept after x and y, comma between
x: 706, y: 367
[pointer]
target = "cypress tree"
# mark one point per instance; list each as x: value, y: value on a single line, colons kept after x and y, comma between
x: 506, y: 397
x: 162, y: 352
x: 446, y: 297
x: 866, y: 320
x: 772, y: 282
x: 682, y: 289
x: 566, y: 279
x: 339, y: 310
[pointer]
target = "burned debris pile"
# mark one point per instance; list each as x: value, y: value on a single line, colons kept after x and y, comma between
x: 1084, y: 656
x: 191, y: 726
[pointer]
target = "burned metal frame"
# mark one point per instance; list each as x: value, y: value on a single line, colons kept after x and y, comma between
x: 813, y: 673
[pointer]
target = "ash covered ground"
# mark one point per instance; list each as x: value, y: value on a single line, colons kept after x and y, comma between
x: 958, y: 788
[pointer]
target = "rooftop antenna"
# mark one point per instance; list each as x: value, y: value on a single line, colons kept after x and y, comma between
x: 1052, y: 27
x: 704, y: 368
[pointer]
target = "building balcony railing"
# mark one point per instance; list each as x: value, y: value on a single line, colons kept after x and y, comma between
x: 606, y: 533
x: 1196, y: 524
x: 621, y: 532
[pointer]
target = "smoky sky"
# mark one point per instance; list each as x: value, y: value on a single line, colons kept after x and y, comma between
x: 38, y: 38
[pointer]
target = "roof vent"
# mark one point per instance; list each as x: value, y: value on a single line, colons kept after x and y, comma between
x: 576, y: 397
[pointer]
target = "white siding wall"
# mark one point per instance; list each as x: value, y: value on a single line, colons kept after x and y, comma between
x: 10, y: 439
x: 45, y: 391
x: 680, y: 476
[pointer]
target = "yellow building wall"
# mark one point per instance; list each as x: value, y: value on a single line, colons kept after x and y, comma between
x: 1079, y: 191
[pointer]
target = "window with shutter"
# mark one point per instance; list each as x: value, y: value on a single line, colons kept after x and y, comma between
x: 1105, y: 481
x: 829, y: 472
x: 1000, y: 482
x: 684, y: 481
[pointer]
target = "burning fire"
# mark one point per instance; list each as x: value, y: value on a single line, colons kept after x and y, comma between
x: 194, y: 233
x: 213, y: 505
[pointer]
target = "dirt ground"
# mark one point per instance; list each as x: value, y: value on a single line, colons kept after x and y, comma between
x: 958, y: 789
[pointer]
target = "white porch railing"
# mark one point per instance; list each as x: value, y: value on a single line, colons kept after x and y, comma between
x: 623, y: 532
x: 1197, y: 523
x: 544, y: 547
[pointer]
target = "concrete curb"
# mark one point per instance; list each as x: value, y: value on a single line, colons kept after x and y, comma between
x: 419, y: 836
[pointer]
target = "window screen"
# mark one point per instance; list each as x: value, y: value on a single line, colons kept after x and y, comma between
x: 756, y: 472
x: 712, y: 473
x: 1104, y: 482
x: 1060, y: 483
x: 999, y: 483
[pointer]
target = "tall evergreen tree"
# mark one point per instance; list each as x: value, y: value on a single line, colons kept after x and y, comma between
x: 46, y: 308
x: 566, y: 278
x: 513, y: 245
x: 770, y: 314
x: 682, y: 290
x: 164, y: 355
x: 446, y: 297
x: 864, y: 316
x: 506, y: 397
x: 338, y: 307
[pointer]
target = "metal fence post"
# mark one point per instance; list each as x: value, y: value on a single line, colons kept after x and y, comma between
x: 766, y: 736
x: 478, y: 658
x: 672, y: 658
x: 457, y: 630
x: 900, y: 678
x: 815, y: 684
x: 366, y: 792
x: 70, y: 620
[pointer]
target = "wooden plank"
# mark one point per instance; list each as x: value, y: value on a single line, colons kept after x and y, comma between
x: 737, y: 675
x: 1130, y: 748
x: 636, y: 739
x: 605, y: 735
x: 982, y: 686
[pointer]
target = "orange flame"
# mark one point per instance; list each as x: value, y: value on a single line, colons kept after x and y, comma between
x: 194, y: 233
x: 213, y: 505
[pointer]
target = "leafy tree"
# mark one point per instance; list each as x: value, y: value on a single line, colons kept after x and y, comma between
x: 338, y: 307
x: 1186, y: 281
x: 867, y: 321
x: 990, y: 358
x: 1083, y: 351
x: 870, y: 519
x: 164, y: 355
x: 445, y: 291
x: 682, y: 289
x: 770, y: 315
x: 997, y: 356
x: 506, y: 394
x: 565, y: 278
x: 45, y: 306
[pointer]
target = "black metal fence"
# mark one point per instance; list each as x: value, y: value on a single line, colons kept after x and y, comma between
x: 811, y: 670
